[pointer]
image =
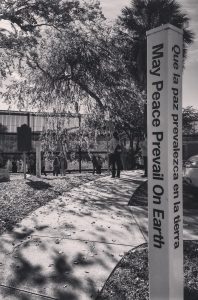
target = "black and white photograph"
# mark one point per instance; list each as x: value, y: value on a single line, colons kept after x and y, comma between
x: 98, y: 149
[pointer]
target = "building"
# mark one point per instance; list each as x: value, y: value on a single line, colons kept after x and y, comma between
x: 38, y: 122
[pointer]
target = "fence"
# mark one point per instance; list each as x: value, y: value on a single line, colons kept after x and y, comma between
x: 9, y: 121
x: 79, y: 161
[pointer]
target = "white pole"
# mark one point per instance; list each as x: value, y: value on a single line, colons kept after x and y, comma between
x: 38, y: 159
x: 164, y: 127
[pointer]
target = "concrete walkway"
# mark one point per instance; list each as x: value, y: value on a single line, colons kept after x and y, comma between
x: 190, y: 221
x: 67, y: 249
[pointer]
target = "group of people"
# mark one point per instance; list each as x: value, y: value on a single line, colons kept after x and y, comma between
x: 97, y: 164
x: 16, y: 165
x: 115, y: 161
x: 59, y: 165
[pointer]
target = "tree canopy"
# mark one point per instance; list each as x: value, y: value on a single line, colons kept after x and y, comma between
x: 59, y: 53
x: 65, y: 54
x: 189, y: 115
x: 54, y: 52
x: 139, y: 17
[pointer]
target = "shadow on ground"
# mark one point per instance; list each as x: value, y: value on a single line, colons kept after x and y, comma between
x: 139, y: 204
x: 38, y: 185
x: 190, y: 196
x: 48, y: 265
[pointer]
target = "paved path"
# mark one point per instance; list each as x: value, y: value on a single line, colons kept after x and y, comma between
x: 190, y: 223
x: 67, y: 249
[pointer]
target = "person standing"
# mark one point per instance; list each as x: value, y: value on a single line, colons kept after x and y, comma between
x: 32, y: 164
x: 115, y: 155
x: 124, y: 160
x: 99, y: 168
x: 143, y: 146
x: 43, y: 166
x: 20, y: 165
x: 63, y: 165
x: 94, y: 162
x: 14, y: 166
x: 56, y: 166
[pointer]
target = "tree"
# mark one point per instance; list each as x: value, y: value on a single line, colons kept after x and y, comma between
x: 189, y: 115
x: 68, y: 51
x: 59, y: 136
x: 69, y: 57
x: 139, y: 17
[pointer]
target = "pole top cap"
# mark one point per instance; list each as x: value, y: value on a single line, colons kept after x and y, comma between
x: 164, y: 27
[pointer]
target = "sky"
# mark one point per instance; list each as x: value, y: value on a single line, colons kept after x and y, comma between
x: 112, y: 8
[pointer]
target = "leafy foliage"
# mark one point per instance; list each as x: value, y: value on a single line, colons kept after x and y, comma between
x: 189, y: 115
x: 139, y: 17
x: 70, y: 57
x: 65, y: 51
x: 59, y: 137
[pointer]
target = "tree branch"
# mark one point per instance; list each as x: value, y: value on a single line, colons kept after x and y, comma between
x: 29, y: 27
x: 44, y: 71
x: 89, y: 92
x: 84, y: 87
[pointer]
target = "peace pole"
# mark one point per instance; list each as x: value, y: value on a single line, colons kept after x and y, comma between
x: 164, y: 128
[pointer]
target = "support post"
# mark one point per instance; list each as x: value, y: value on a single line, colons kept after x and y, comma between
x: 107, y: 119
x: 24, y: 164
x: 80, y: 150
x: 38, y: 159
x: 164, y: 128
x: 80, y: 160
